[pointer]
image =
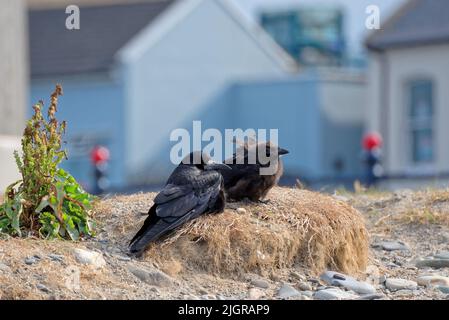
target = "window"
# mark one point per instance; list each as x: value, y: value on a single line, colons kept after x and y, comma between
x: 313, y: 36
x: 421, y: 113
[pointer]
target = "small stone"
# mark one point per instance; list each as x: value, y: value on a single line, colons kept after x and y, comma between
x: 392, y: 246
x: 4, y: 268
x: 373, y: 296
x: 392, y: 265
x: 304, y: 286
x: 433, y: 263
x: 287, y: 291
x: 338, y: 279
x: 404, y: 293
x: 43, y: 288
x: 442, y: 255
x: 202, y: 291
x: 333, y: 294
x: 123, y: 258
x: 208, y: 297
x: 395, y: 284
x: 241, y: 210
x: 154, y: 289
x: 152, y: 277
x: 307, y: 293
x: 275, y: 277
x: 433, y: 280
x: 297, y: 275
x: 260, y: 283
x: 444, y: 237
x: 32, y: 260
x: 255, y: 294
x: 89, y: 257
x: 444, y: 289
x: 56, y: 257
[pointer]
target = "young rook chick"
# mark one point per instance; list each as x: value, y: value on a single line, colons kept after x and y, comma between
x: 245, y: 179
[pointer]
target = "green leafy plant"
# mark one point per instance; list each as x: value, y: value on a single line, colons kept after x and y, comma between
x: 47, y: 200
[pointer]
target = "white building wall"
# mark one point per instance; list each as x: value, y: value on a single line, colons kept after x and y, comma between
x: 182, y: 70
x: 407, y: 64
x: 13, y: 85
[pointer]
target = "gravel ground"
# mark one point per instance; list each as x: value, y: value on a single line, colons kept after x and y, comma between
x: 406, y: 229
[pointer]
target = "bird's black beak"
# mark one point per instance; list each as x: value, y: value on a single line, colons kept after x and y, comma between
x: 282, y: 151
x: 216, y: 166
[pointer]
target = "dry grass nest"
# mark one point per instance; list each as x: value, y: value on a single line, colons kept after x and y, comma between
x: 295, y: 228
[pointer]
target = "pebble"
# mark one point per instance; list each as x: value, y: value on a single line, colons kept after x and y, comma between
x: 255, y: 294
x: 89, y: 257
x: 32, y: 260
x: 43, y: 288
x: 56, y: 257
x: 260, y: 283
x: 287, y: 291
x: 297, y: 275
x: 307, y: 293
x: 395, y: 284
x: 433, y: 280
x: 123, y: 258
x: 433, y: 263
x: 444, y: 237
x: 338, y: 279
x: 442, y: 255
x: 444, y: 289
x: 241, y: 210
x: 202, y: 291
x: 392, y: 246
x: 304, y: 286
x: 4, y: 267
x: 373, y: 296
x: 152, y: 277
x: 333, y: 294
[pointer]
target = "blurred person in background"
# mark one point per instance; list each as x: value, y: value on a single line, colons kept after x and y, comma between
x: 372, y: 144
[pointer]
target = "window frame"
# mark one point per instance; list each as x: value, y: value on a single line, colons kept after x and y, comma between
x: 420, y: 167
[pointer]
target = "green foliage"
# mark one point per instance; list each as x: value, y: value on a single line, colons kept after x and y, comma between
x: 47, y: 200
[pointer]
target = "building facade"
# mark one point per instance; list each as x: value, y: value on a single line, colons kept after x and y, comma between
x: 408, y: 99
x: 13, y: 85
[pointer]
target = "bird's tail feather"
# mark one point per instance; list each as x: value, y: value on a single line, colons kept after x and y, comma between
x: 152, y: 219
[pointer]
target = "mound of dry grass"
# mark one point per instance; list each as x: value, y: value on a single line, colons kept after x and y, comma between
x: 296, y: 227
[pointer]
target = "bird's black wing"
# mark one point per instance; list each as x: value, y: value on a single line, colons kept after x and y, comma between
x: 175, y: 205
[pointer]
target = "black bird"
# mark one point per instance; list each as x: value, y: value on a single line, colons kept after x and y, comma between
x: 245, y: 179
x: 194, y: 188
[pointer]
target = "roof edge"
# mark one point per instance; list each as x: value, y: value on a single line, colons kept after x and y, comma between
x: 179, y: 10
x: 156, y: 29
x: 261, y: 37
x: 403, y: 9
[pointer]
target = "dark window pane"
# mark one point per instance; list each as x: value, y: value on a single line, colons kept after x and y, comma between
x: 422, y: 141
x: 421, y: 99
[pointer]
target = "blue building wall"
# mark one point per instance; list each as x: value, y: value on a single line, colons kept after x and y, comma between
x: 93, y: 108
x: 292, y: 107
x: 95, y: 112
